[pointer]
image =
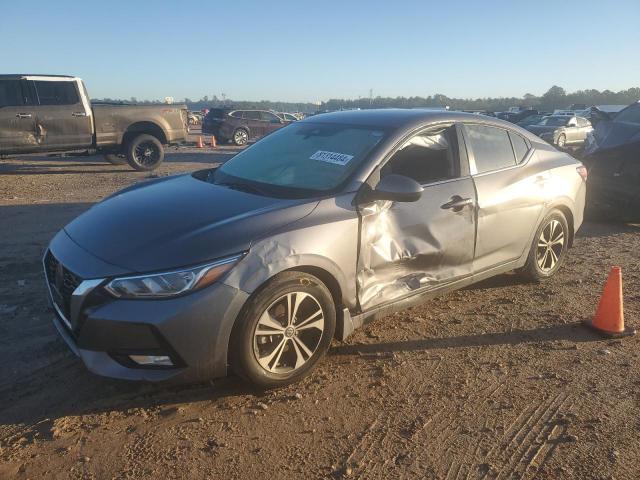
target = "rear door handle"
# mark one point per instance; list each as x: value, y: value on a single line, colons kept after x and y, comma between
x: 23, y: 115
x: 79, y: 114
x: 457, y: 203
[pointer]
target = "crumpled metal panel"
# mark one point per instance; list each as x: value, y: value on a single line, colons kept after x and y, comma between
x: 406, y: 247
x: 326, y: 239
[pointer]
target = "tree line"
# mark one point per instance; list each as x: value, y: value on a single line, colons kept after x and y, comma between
x: 555, y: 97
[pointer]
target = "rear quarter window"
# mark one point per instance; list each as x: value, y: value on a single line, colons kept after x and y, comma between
x: 490, y: 146
x: 520, y: 146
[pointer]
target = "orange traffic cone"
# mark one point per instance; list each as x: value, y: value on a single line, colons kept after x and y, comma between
x: 200, y: 144
x: 213, y: 141
x: 609, y: 318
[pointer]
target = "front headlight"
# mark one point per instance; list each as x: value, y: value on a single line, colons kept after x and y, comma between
x: 170, y: 284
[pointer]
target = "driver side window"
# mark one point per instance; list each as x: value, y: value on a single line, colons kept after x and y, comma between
x: 427, y: 157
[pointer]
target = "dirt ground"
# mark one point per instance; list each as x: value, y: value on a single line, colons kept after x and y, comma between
x: 497, y: 381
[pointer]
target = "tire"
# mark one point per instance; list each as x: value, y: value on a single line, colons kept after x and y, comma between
x: 144, y: 153
x: 562, y: 141
x: 271, y: 360
x: 240, y: 137
x: 540, y: 267
x: 115, y: 158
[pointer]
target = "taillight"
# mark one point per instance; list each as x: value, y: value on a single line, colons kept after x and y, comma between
x: 582, y: 171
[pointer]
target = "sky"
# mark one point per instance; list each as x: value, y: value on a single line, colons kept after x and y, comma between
x: 302, y: 51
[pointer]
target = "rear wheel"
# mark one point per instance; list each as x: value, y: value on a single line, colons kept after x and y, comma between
x: 285, y: 329
x: 144, y: 153
x: 115, y: 158
x: 240, y: 137
x: 562, y: 141
x: 549, y: 247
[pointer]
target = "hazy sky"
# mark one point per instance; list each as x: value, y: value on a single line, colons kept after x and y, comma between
x: 309, y: 51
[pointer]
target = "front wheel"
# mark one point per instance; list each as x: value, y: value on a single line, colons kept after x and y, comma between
x: 144, y: 153
x: 284, y: 330
x: 562, y: 141
x: 548, y: 249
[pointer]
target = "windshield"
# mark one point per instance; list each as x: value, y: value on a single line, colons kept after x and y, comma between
x: 303, y: 158
x: 554, y: 121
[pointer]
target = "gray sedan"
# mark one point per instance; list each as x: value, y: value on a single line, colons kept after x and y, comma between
x: 305, y: 236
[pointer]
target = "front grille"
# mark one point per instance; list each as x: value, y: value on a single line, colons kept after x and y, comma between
x: 62, y: 283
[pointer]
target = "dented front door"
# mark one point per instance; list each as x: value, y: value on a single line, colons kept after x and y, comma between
x: 407, y: 248
x: 17, y: 119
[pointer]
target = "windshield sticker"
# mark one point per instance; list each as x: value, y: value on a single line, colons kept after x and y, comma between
x: 332, y: 157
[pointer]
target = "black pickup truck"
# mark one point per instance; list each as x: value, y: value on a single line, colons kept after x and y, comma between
x: 47, y: 113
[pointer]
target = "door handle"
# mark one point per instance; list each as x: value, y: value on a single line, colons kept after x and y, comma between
x: 457, y: 203
x: 79, y: 114
x: 23, y: 115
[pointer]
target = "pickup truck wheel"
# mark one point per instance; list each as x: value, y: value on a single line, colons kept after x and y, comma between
x: 115, y: 158
x: 145, y: 153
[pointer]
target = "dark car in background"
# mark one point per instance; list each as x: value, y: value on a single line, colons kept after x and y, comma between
x: 612, y: 154
x: 240, y: 126
x: 562, y: 130
x: 318, y: 228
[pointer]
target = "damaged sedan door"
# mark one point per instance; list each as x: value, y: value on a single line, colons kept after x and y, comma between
x: 408, y: 247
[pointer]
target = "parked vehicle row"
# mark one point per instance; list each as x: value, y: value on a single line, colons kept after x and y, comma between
x: 306, y: 235
x: 53, y: 113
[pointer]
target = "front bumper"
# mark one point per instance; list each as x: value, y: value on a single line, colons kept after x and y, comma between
x: 193, y: 329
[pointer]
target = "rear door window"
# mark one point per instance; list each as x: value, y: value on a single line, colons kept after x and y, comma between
x: 269, y: 117
x: 10, y: 93
x: 490, y: 146
x: 252, y: 115
x: 56, y: 93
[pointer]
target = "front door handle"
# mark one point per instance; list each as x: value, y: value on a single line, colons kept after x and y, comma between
x: 457, y: 203
x: 23, y: 115
x: 79, y: 114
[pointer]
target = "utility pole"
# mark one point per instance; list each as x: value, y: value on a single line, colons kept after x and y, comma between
x: 370, y: 96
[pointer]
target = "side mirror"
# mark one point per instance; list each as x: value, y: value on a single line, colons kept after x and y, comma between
x: 397, y: 188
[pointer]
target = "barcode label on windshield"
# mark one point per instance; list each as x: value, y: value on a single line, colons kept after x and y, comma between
x: 332, y: 157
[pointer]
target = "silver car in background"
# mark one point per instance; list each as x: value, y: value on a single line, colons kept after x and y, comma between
x: 313, y: 231
x: 562, y: 130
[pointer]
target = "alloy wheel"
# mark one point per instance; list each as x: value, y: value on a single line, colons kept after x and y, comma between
x: 146, y: 153
x: 240, y: 137
x: 550, y: 246
x: 288, y: 333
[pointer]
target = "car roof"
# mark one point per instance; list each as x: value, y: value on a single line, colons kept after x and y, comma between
x: 21, y: 76
x: 402, y: 117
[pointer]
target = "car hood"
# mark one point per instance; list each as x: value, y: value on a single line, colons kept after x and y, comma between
x: 179, y: 221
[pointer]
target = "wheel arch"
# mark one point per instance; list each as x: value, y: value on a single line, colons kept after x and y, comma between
x: 145, y: 127
x: 566, y: 211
